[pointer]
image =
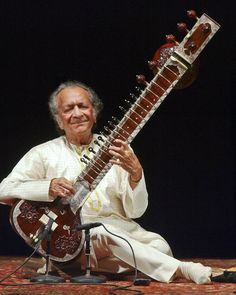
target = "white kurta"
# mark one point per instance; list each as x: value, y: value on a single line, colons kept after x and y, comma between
x: 112, y: 203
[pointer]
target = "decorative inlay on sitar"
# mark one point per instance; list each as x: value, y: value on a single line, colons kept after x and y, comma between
x: 30, y: 218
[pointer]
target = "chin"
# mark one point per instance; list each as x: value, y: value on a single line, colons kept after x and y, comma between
x: 80, y: 130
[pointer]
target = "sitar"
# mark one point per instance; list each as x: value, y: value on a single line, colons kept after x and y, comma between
x: 31, y: 219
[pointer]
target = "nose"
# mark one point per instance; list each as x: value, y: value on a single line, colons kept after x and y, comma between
x: 76, y: 112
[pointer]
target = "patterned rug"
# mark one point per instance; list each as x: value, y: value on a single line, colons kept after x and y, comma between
x: 19, y: 283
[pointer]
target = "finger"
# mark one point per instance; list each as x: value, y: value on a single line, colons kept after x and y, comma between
x: 68, y: 188
x: 116, y: 154
x: 65, y: 193
x: 116, y: 162
x: 118, y: 144
x: 123, y: 151
x: 59, y: 188
x: 67, y: 185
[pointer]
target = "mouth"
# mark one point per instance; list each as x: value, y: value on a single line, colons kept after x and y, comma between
x: 78, y: 123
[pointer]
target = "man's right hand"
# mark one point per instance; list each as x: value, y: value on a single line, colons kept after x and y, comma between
x: 61, y: 187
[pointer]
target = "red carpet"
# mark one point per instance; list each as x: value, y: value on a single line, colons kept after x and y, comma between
x: 8, y: 264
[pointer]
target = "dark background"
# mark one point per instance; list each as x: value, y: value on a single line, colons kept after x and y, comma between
x: 187, y: 148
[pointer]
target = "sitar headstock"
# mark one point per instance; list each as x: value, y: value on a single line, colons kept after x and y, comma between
x: 197, y: 38
x: 184, y: 54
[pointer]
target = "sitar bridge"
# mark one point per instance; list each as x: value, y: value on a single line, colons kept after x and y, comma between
x: 44, y: 219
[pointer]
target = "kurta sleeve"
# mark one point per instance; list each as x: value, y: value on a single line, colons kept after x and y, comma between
x: 135, y: 201
x: 27, y: 180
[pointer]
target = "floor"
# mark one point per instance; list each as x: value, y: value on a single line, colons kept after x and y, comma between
x: 19, y: 283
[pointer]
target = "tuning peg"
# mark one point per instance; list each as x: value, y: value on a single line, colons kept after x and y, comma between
x: 83, y: 160
x: 192, y: 14
x: 133, y: 96
x: 170, y: 38
x: 91, y: 150
x: 182, y: 27
x: 122, y: 109
x: 86, y: 157
x: 100, y: 138
x: 152, y: 64
x: 111, y: 124
x: 103, y: 134
x: 138, y: 89
x: 107, y: 129
x: 141, y: 79
x: 206, y: 28
x: 97, y: 143
x: 115, y: 119
x: 129, y: 103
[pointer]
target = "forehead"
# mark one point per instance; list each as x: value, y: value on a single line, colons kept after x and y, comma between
x: 73, y: 94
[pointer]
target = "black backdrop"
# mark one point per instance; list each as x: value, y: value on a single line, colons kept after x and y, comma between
x: 187, y: 147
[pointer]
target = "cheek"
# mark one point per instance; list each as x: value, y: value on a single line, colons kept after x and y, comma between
x: 62, y: 120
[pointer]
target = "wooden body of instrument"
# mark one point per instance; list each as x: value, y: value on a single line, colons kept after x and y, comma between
x: 28, y: 218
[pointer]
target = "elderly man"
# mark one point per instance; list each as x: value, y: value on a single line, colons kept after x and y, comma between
x: 49, y: 171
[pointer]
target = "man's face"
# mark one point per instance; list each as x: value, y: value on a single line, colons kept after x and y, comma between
x: 76, y: 114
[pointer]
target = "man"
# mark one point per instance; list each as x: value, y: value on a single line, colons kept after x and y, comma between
x: 49, y: 171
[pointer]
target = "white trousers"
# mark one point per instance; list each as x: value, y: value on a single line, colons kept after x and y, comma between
x: 112, y: 254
